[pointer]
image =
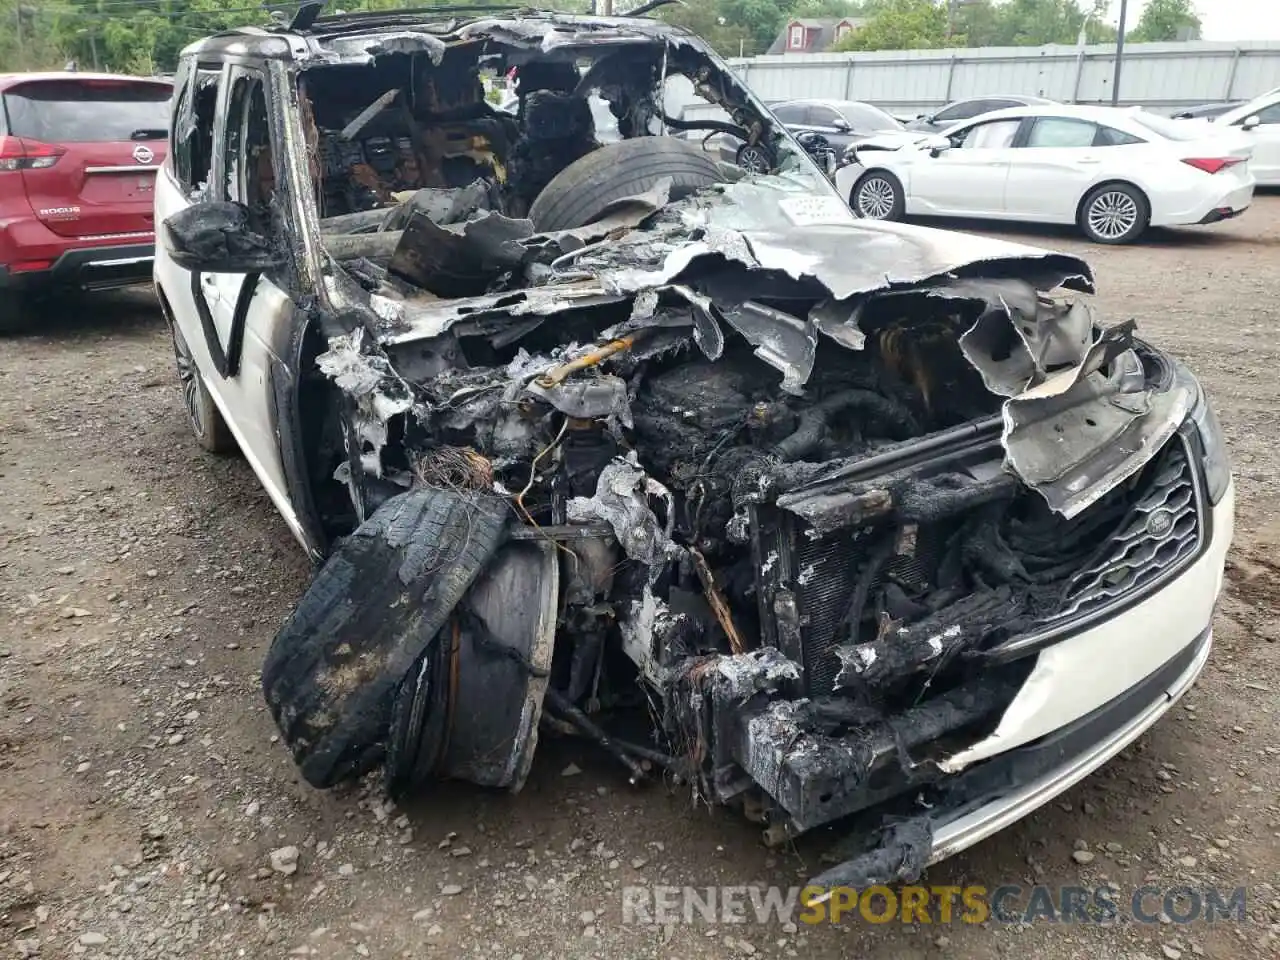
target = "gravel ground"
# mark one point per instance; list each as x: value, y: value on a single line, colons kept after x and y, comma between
x: 143, y: 790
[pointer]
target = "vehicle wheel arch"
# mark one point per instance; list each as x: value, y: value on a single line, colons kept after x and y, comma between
x: 166, y: 308
x: 1110, y: 182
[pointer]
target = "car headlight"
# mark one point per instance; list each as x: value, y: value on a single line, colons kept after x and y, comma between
x: 1217, y: 463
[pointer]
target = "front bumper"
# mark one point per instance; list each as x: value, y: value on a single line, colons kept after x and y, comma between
x: 88, y: 268
x: 1086, y: 699
x: 1079, y: 749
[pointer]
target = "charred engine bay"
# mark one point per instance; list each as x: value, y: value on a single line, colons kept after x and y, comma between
x: 804, y: 590
x: 736, y: 487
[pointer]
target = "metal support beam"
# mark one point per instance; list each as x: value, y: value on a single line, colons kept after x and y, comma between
x: 1231, y: 78
x: 1115, y: 80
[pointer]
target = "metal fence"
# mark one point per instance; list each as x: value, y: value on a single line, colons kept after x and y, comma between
x: 1159, y: 76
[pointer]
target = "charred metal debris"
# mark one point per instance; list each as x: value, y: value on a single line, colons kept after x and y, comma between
x: 800, y: 477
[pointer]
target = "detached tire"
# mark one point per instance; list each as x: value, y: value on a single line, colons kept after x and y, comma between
x: 331, y: 675
x: 585, y: 189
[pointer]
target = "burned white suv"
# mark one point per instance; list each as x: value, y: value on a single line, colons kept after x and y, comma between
x: 839, y: 522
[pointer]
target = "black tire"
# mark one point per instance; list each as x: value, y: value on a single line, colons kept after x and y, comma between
x: 14, y: 315
x: 755, y: 158
x: 331, y: 675
x: 585, y: 189
x: 878, y: 195
x: 1114, y: 213
x: 210, y: 430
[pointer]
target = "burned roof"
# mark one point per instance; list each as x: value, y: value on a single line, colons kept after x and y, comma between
x: 339, y: 36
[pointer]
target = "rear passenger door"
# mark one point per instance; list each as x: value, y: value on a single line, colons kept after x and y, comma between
x: 1055, y: 161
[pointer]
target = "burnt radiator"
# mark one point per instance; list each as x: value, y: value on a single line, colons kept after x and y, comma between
x: 815, y: 578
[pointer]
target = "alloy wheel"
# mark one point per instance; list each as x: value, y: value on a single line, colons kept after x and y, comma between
x: 190, y: 383
x: 753, y: 160
x: 1113, y: 214
x: 876, y: 198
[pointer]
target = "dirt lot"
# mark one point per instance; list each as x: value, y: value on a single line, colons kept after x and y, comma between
x: 142, y: 787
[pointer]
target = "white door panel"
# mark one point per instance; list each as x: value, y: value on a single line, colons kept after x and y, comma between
x: 233, y: 354
x: 1266, y: 153
x: 1046, y: 184
x: 959, y: 182
x: 1057, y: 165
x: 969, y: 178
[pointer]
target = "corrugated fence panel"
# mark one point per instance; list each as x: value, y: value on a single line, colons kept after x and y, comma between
x: 1158, y: 75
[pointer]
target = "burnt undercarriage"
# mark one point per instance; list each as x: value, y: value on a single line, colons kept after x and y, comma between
x: 746, y: 493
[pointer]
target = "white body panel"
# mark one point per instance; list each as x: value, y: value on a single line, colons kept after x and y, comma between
x: 245, y: 398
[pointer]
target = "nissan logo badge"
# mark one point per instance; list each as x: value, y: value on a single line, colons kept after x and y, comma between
x: 143, y: 154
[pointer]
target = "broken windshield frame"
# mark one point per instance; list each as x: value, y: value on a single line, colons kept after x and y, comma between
x: 685, y: 61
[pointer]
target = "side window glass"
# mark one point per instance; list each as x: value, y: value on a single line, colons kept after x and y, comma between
x: 1271, y: 114
x: 790, y: 113
x: 248, y: 161
x: 1061, y: 132
x: 1111, y: 137
x: 194, y: 115
x: 822, y: 116
x: 954, y: 112
x: 990, y: 136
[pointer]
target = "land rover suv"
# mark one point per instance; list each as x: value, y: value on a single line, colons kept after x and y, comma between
x: 841, y: 523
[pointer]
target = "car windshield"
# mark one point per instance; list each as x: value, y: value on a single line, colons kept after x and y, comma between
x: 863, y: 117
x: 80, y: 111
x: 1170, y: 129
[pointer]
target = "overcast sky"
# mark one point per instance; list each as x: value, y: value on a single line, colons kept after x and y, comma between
x: 1224, y: 19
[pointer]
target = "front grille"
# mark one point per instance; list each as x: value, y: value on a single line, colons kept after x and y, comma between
x: 1160, y: 533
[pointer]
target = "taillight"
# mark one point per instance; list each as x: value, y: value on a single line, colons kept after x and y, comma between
x: 1213, y: 164
x: 17, y: 153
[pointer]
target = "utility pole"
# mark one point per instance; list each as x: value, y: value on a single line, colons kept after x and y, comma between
x: 1115, y: 80
x: 606, y: 8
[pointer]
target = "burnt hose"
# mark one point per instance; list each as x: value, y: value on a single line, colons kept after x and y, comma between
x: 813, y: 422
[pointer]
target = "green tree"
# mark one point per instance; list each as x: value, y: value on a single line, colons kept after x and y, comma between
x: 899, y: 25
x: 729, y: 40
x: 979, y: 23
x: 1164, y: 19
x: 27, y: 39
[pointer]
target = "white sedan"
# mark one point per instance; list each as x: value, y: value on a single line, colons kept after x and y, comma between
x: 1114, y: 172
x: 1260, y: 119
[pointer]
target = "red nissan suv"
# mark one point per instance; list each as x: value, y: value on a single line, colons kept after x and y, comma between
x: 78, y: 159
